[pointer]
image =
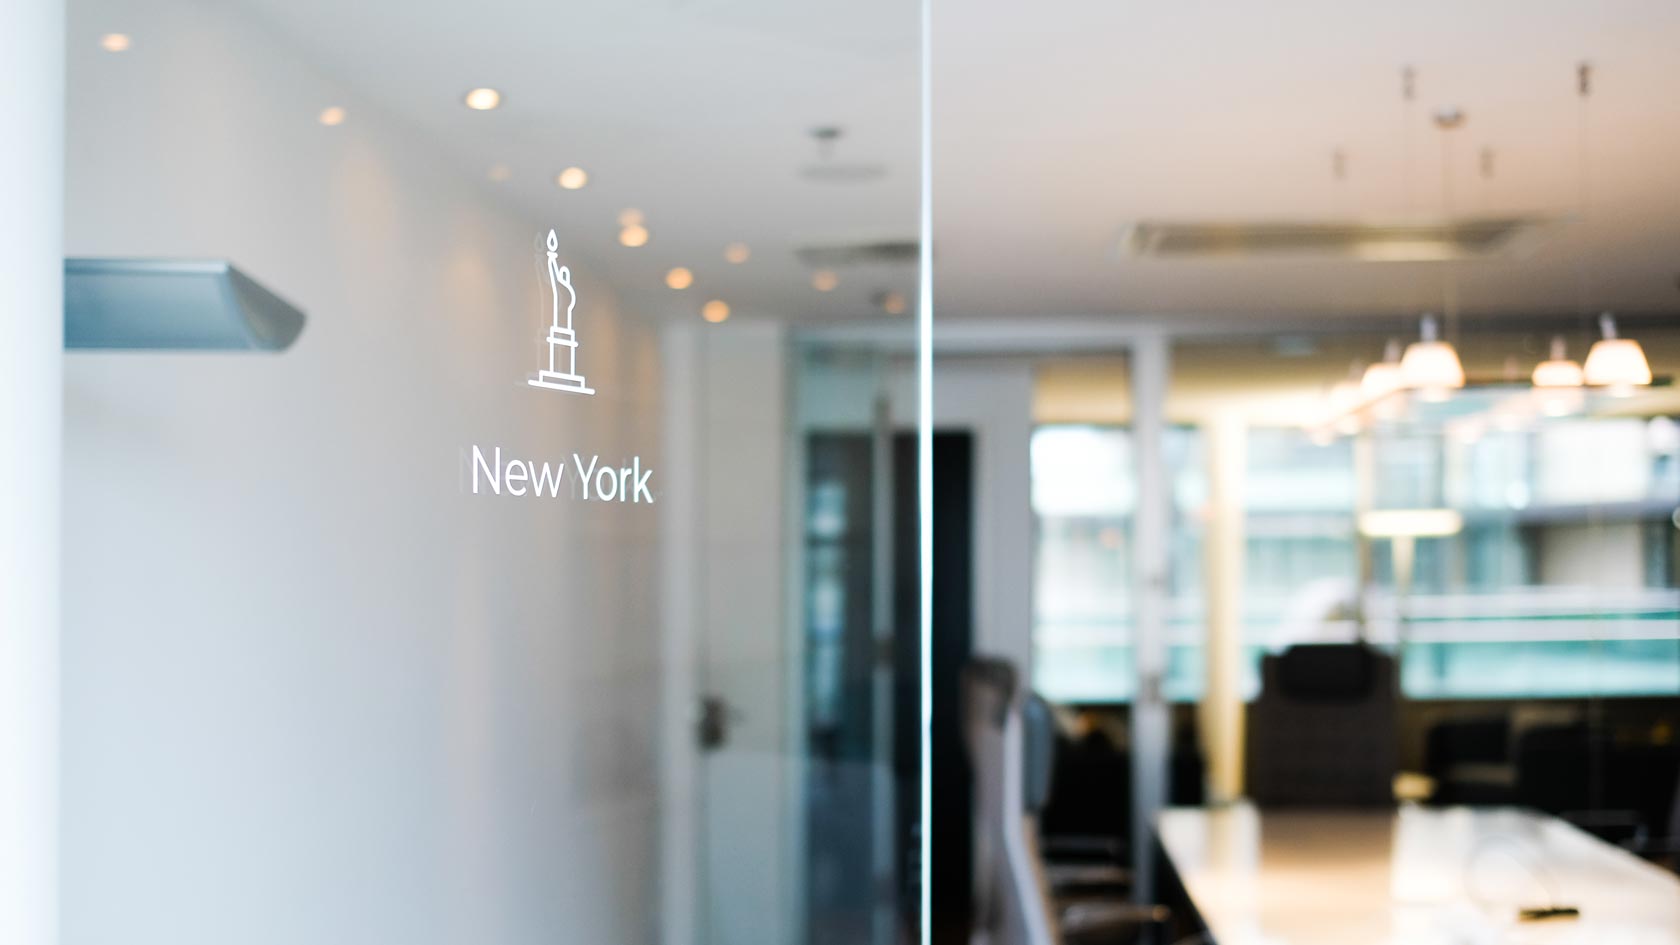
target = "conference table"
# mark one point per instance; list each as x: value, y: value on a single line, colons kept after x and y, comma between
x: 1411, y: 876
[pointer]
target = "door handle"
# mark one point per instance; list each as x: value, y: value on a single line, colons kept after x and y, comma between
x: 712, y: 725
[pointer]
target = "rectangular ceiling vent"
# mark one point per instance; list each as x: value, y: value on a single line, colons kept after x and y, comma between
x: 1416, y: 241
x: 874, y: 252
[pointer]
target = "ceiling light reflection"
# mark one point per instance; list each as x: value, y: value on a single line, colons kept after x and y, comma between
x: 737, y: 253
x: 679, y: 278
x: 633, y: 236
x: 572, y: 178
x: 715, y: 311
x: 332, y: 116
x: 114, y: 42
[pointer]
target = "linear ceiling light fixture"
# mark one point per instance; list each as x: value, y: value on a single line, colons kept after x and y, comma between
x: 1410, y: 523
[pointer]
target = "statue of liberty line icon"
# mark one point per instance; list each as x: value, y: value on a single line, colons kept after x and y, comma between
x: 560, y: 277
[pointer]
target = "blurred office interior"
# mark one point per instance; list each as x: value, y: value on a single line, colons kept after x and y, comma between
x: 1204, y: 473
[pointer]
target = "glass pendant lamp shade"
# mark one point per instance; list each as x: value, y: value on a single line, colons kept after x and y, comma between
x: 1431, y: 365
x: 1616, y: 363
x: 1383, y: 378
x: 1558, y: 370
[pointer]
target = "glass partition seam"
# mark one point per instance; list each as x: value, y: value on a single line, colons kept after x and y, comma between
x: 924, y: 475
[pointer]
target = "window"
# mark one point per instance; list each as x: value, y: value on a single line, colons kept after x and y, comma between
x: 1084, y: 499
x: 1562, y: 580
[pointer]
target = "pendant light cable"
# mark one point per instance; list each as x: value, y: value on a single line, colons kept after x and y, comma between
x: 1583, y: 90
x: 1448, y: 119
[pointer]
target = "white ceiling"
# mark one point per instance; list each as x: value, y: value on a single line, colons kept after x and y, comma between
x: 1055, y: 125
x: 1058, y: 124
x: 696, y: 112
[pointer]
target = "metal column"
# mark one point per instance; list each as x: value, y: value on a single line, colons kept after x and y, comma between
x: 1151, y: 733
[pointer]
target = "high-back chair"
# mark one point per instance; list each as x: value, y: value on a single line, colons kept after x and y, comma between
x: 1011, y: 901
x: 1323, y: 731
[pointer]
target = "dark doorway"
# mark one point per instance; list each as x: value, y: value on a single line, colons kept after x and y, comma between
x: 952, y: 812
x: 843, y: 662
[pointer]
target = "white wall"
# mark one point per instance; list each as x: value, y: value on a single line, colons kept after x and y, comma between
x: 31, y: 337
x: 732, y: 834
x: 752, y: 813
x: 314, y: 692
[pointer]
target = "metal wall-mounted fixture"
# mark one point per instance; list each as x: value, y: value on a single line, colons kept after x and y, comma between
x: 172, y: 305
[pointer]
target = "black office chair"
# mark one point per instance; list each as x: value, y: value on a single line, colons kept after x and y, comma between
x: 1323, y: 731
x: 1086, y: 821
x: 1470, y: 761
x: 1089, y: 889
x: 1010, y: 738
x: 1622, y: 793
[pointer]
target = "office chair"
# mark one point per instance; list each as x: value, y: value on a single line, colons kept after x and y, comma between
x: 1011, y: 899
x: 1623, y: 792
x: 1470, y: 761
x: 1010, y: 738
x: 1322, y: 732
x: 1088, y: 890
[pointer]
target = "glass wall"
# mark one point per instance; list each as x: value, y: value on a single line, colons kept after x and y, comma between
x: 447, y: 555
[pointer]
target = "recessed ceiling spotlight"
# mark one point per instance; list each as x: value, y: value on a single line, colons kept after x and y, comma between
x: 630, y: 216
x: 482, y: 100
x: 500, y: 172
x: 679, y: 278
x: 332, y: 116
x: 737, y: 253
x: 891, y: 302
x: 114, y: 42
x: 715, y: 311
x: 824, y: 280
x: 572, y: 178
x: 633, y: 236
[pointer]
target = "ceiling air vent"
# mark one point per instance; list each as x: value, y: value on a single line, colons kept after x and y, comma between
x: 1370, y: 242
x: 875, y: 252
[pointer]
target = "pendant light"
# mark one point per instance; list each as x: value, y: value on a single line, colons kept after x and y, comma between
x: 1384, y: 377
x: 1616, y: 363
x: 1557, y: 383
x: 1558, y: 370
x: 1431, y: 366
